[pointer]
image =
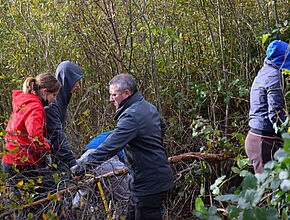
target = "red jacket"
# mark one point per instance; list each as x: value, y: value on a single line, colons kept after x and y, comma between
x: 25, y: 130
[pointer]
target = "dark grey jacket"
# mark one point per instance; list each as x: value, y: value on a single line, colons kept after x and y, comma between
x: 139, y: 129
x: 68, y: 74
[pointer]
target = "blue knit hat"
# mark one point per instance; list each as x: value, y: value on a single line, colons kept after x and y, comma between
x: 97, y: 141
x: 278, y: 53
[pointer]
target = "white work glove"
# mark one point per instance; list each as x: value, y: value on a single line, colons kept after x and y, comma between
x: 48, y: 159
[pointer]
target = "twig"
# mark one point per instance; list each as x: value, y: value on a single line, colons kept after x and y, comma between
x: 174, y: 159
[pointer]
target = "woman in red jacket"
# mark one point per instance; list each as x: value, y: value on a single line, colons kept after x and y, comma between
x: 27, y: 151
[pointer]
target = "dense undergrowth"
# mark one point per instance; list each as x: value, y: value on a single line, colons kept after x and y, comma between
x: 195, y: 60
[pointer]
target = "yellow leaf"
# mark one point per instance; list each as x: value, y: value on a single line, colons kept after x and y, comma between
x: 3, y: 188
x: 20, y: 183
x: 86, y: 113
x: 45, y: 216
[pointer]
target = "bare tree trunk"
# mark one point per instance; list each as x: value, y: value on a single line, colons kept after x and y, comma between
x: 275, y: 12
x: 233, y: 9
x: 112, y: 18
x: 223, y: 63
x: 215, y: 52
x: 152, y: 59
x: 211, y: 36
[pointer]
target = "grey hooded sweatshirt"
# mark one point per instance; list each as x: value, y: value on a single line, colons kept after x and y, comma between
x: 67, y: 74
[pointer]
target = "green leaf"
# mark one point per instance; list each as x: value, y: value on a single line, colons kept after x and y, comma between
x: 280, y: 155
x: 286, y: 161
x: 233, y: 211
x: 261, y: 213
x: 242, y: 161
x: 212, y: 210
x: 272, y: 214
x: 244, y: 173
x: 275, y: 184
x: 236, y: 170
x: 214, y: 218
x: 247, y: 215
x: 285, y: 185
x: 250, y: 182
x: 261, y: 177
x: 270, y: 165
x: 198, y: 214
x: 228, y: 197
x: 199, y: 204
x: 30, y: 215
x: 215, y: 187
x: 265, y: 37
x: 258, y: 195
x: 56, y: 178
x: 283, y: 175
x: 228, y: 97
x: 286, y: 138
x: 14, y: 151
x: 24, y: 158
x: 4, y: 175
x: 249, y: 195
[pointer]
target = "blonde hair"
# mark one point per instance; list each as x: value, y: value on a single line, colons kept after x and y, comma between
x: 42, y: 81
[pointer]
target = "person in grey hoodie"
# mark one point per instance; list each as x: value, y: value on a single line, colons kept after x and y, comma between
x: 267, y: 106
x: 69, y: 75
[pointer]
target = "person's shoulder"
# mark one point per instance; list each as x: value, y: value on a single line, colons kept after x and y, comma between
x: 34, y: 109
x: 52, y: 107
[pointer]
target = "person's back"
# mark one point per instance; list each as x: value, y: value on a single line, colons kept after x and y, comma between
x: 145, y: 152
x: 267, y: 106
x: 266, y: 98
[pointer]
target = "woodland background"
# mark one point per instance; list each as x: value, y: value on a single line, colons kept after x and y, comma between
x: 195, y: 60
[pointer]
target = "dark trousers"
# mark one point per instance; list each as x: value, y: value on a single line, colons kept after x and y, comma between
x: 37, y: 181
x: 261, y: 149
x: 145, y: 207
x: 41, y: 176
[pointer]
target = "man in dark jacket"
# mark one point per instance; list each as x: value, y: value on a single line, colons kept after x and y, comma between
x: 267, y: 106
x: 140, y: 129
x: 68, y: 74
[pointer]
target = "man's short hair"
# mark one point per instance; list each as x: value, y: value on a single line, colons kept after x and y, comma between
x: 124, y: 81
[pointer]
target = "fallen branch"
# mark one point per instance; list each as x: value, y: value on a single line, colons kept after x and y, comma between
x: 174, y: 159
x: 203, y: 156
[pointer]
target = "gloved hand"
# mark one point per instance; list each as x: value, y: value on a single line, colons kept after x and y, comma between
x: 48, y: 159
x: 78, y: 170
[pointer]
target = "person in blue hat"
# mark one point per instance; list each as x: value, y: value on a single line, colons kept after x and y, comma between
x: 97, y: 141
x: 267, y: 106
x: 117, y: 185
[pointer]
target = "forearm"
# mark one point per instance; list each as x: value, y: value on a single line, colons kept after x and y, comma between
x: 61, y: 151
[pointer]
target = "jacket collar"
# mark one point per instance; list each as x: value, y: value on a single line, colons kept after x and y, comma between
x: 127, y: 103
x: 269, y: 62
